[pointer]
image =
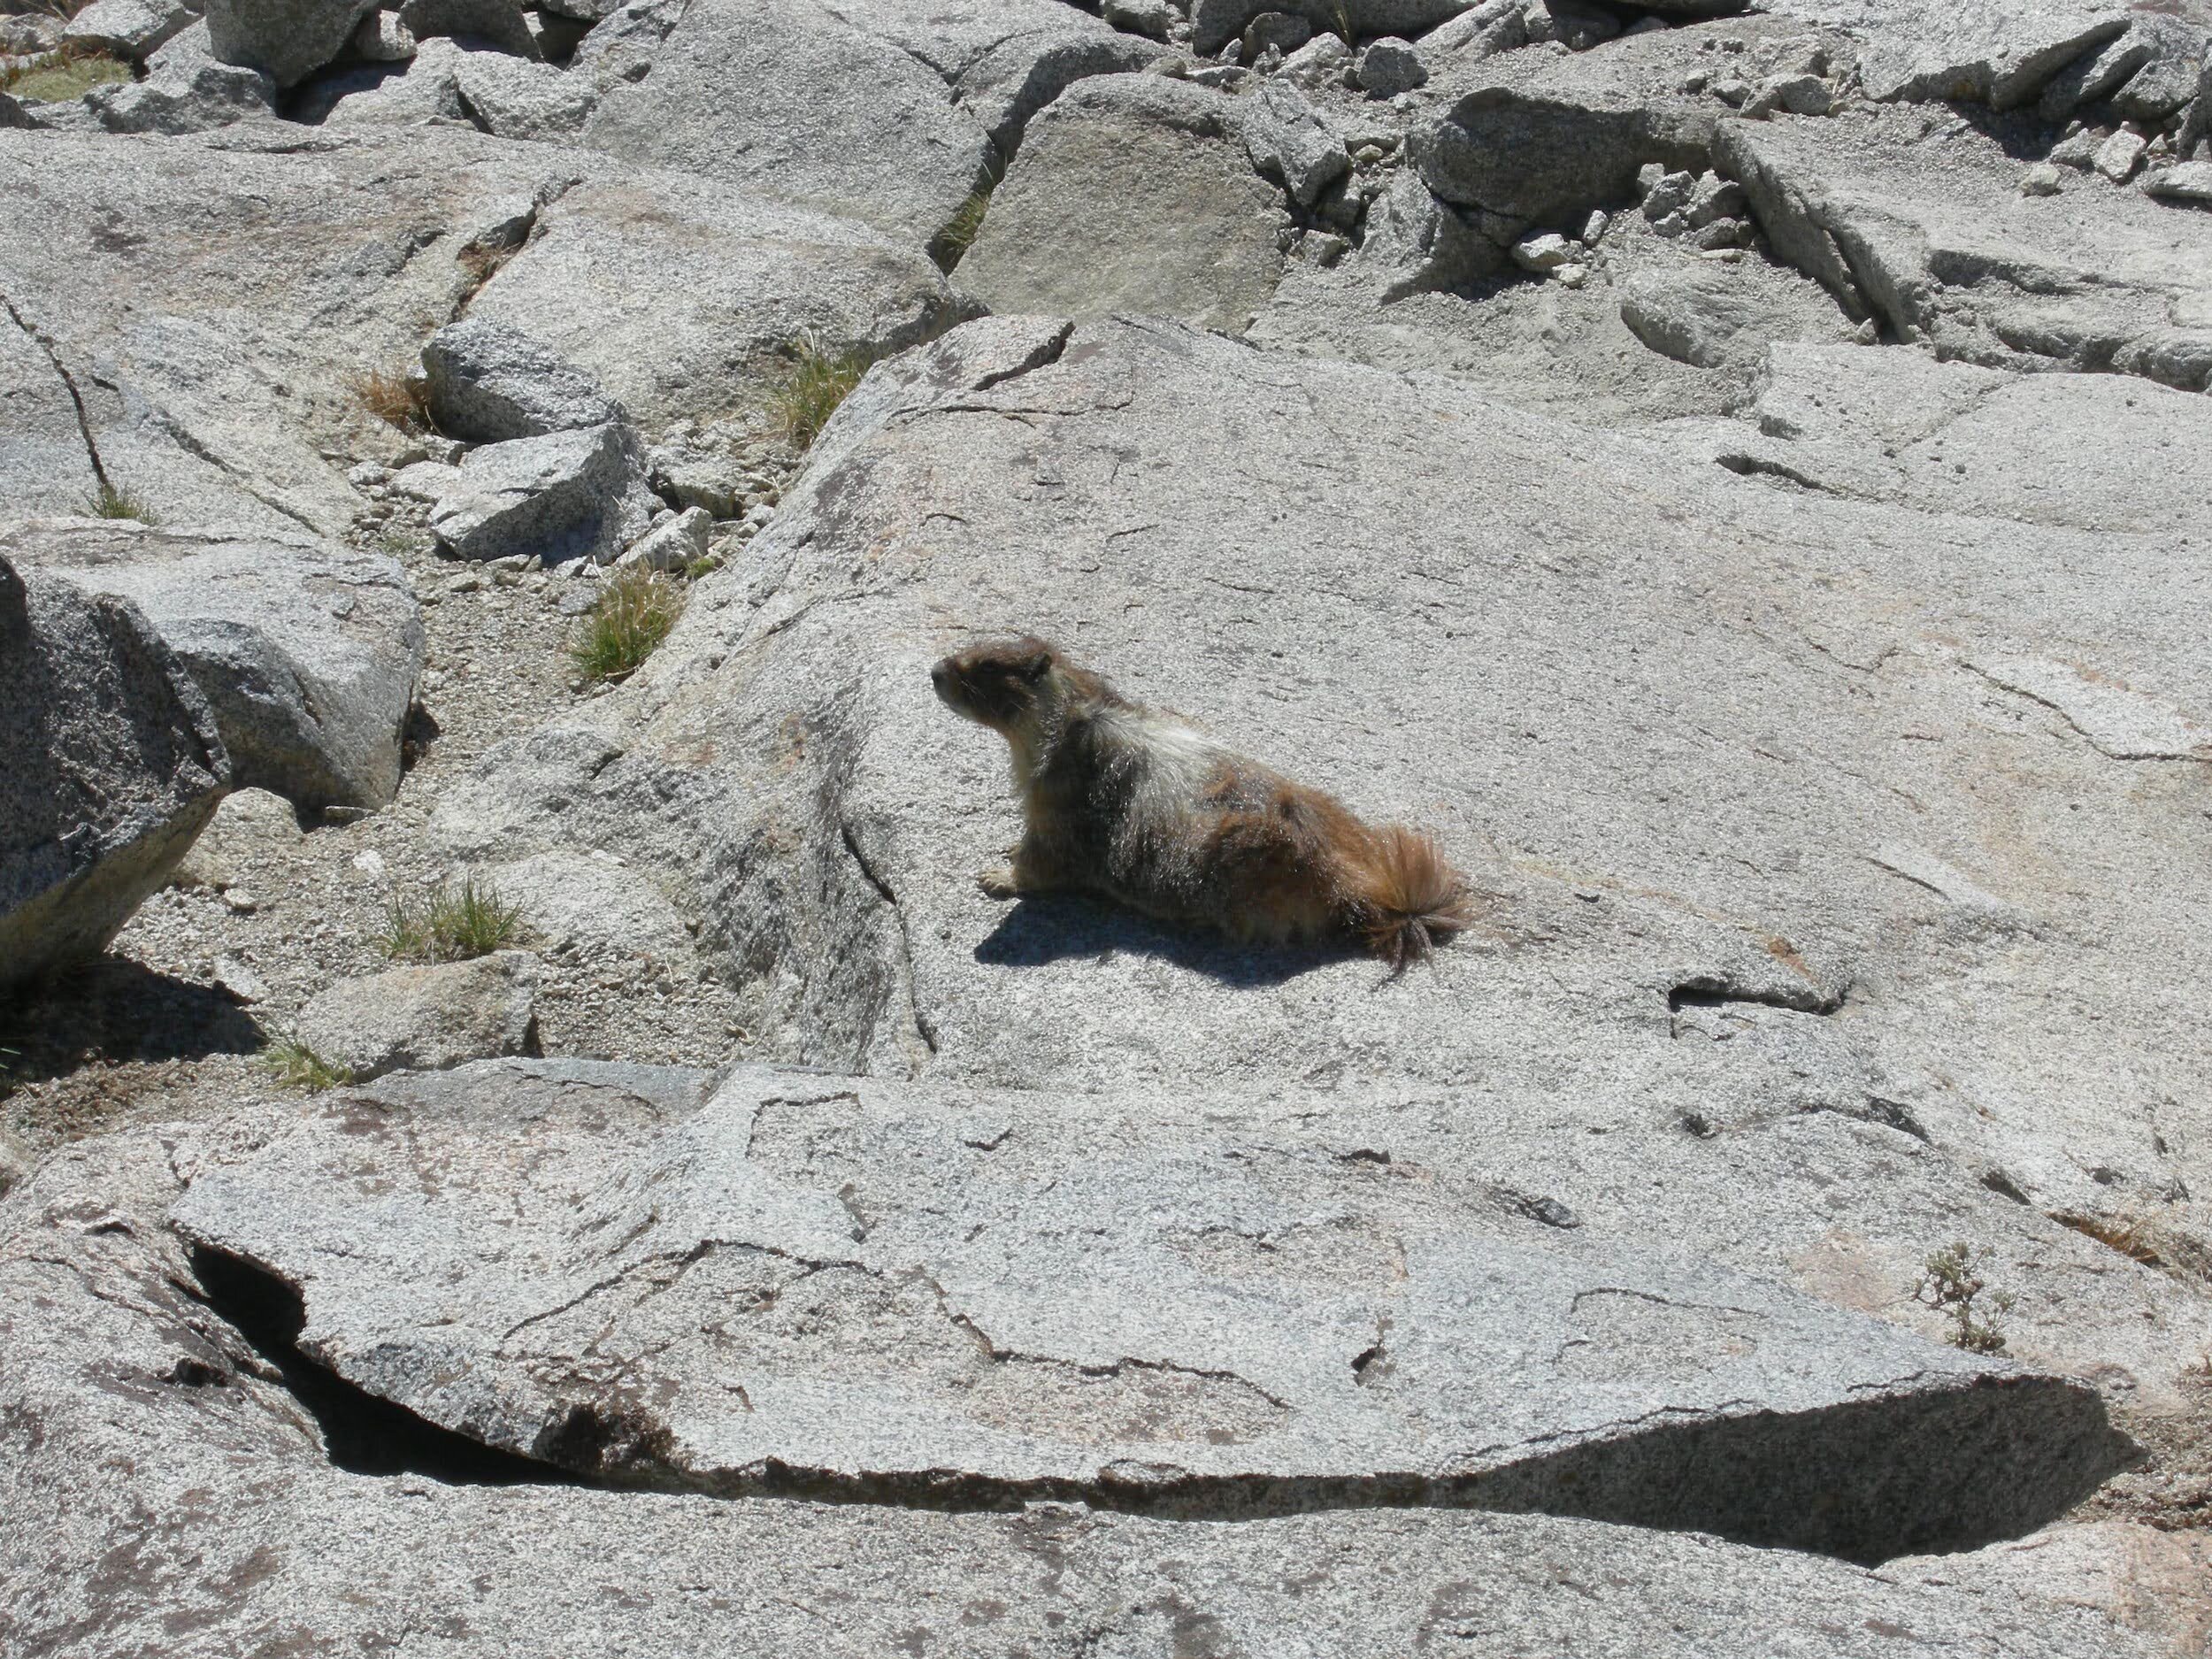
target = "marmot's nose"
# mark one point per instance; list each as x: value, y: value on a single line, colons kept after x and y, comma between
x: 937, y: 676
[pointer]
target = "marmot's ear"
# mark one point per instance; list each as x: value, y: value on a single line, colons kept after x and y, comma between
x: 1034, y: 666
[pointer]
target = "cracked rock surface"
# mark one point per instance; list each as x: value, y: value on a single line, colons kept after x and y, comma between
x: 878, y: 1291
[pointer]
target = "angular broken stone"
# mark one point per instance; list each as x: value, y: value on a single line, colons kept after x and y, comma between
x: 878, y: 1290
x: 563, y: 495
x: 488, y: 382
x: 130, y: 28
x: 307, y: 652
x: 425, y: 1018
x: 186, y: 89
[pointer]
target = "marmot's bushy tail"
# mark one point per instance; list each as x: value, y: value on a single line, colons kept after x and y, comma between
x: 1412, y: 898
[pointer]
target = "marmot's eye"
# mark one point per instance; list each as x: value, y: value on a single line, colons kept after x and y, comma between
x: 1033, y: 667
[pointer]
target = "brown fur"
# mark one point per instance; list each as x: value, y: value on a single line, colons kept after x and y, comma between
x: 1133, y: 804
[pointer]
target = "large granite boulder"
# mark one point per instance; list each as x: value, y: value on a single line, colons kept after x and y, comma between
x: 1662, y: 713
x: 114, y: 764
x: 890, y: 1293
x: 163, y: 1411
x: 892, y: 112
x: 307, y: 652
x: 1133, y: 193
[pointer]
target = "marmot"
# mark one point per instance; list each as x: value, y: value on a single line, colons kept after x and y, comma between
x: 1132, y: 804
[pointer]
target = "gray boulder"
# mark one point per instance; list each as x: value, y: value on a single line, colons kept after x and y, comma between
x: 186, y: 89
x: 307, y: 652
x: 1134, y: 192
x: 1388, y: 66
x: 128, y: 28
x: 114, y: 764
x: 565, y: 495
x: 287, y: 40
x: 2188, y: 184
x: 710, y: 286
x: 1701, y: 317
x: 1290, y: 142
x: 513, y: 97
x: 490, y: 381
x: 383, y: 39
x: 790, y: 101
x: 126, y: 1367
x: 1532, y: 138
x: 426, y: 1019
x: 498, y: 24
x: 421, y: 89
x: 978, y: 1293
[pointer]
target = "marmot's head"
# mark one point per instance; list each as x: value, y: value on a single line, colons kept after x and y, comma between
x: 1005, y: 685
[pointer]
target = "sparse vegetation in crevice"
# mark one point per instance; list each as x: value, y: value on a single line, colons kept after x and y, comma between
x: 800, y: 404
x: 62, y: 75
x: 950, y: 245
x: 634, y: 614
x: 456, y: 922
x: 1954, y: 1281
x: 295, y: 1065
x: 397, y: 400
x: 109, y: 502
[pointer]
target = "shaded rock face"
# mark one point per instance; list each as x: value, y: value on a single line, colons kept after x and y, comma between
x: 114, y: 764
x: 287, y: 40
x: 284, y: 1498
x: 307, y: 653
x: 889, y: 1292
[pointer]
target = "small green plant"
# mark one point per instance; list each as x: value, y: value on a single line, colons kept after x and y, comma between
x: 633, y: 615
x: 108, y: 501
x: 295, y: 1065
x: 1343, y: 29
x: 453, y: 924
x: 394, y: 399
x: 58, y: 76
x: 699, y: 567
x: 1952, y: 1281
x: 802, y: 404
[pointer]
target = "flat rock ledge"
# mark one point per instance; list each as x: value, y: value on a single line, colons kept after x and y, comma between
x: 956, y: 1297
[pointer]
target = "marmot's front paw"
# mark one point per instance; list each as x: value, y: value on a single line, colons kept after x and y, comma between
x: 998, y: 882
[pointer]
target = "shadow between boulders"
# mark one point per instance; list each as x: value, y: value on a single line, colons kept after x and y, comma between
x: 1038, y: 931
x: 114, y: 1010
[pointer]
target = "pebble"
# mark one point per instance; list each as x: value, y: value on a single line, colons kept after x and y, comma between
x: 2119, y: 155
x: 1548, y: 251
x: 2043, y: 179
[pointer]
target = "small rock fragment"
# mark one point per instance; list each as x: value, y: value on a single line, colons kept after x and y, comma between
x: 1388, y: 66
x: 1546, y: 251
x: 2040, y: 180
x: 2119, y: 155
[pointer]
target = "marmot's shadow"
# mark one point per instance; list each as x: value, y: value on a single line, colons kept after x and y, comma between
x: 1055, y: 926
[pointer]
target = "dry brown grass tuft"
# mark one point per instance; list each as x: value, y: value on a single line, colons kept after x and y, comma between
x: 394, y: 399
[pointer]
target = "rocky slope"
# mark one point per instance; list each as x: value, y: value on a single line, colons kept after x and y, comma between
x: 507, y: 1148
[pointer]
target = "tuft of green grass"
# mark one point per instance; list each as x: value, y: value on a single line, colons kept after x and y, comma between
x: 452, y: 924
x: 108, y: 501
x: 295, y: 1065
x: 1951, y: 1280
x: 802, y: 404
x: 699, y: 567
x: 62, y: 74
x: 635, y: 611
x: 949, y: 245
x: 396, y: 400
